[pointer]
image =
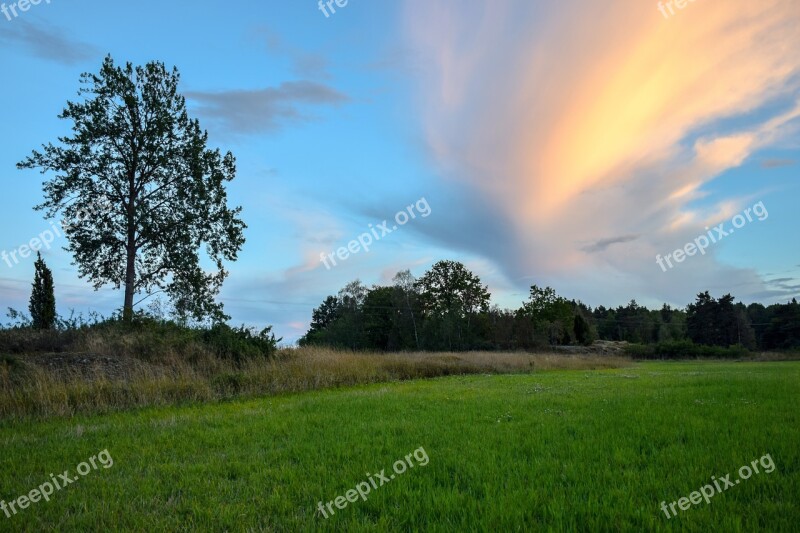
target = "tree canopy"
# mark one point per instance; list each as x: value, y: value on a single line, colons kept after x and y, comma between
x: 448, y: 309
x: 135, y: 150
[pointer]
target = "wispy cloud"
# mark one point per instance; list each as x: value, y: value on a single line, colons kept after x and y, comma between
x: 265, y: 110
x: 46, y: 42
x: 778, y: 163
x: 305, y: 64
x: 596, y: 131
x: 602, y: 244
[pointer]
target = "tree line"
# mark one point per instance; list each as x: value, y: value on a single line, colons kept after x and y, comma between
x: 448, y: 308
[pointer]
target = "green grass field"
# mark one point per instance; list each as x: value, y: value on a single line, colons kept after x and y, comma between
x: 560, y: 450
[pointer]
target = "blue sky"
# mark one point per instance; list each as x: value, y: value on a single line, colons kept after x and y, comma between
x: 553, y: 144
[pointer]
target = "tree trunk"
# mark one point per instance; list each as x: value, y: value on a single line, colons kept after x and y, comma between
x: 130, y: 279
x: 130, y: 251
x: 413, y: 320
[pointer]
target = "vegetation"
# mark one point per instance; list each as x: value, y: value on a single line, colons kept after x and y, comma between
x: 140, y: 192
x: 145, y: 337
x: 448, y: 309
x: 167, y: 366
x: 561, y: 451
x: 43, y: 300
x: 684, y: 350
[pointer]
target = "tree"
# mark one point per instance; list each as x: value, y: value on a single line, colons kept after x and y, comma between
x: 718, y: 322
x: 408, y: 295
x: 379, y: 312
x: 325, y: 314
x: 550, y: 312
x: 134, y: 147
x: 783, y: 330
x: 349, y: 326
x: 700, y: 320
x: 449, y: 286
x: 322, y: 318
x: 450, y: 295
x: 43, y: 300
x: 582, y: 330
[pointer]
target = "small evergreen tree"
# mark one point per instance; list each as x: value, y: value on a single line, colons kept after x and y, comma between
x: 43, y: 299
x: 583, y: 332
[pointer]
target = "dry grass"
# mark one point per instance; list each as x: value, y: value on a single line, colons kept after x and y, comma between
x: 775, y: 356
x: 68, y: 384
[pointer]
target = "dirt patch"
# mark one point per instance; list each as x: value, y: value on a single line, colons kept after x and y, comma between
x: 86, y: 365
x: 615, y: 348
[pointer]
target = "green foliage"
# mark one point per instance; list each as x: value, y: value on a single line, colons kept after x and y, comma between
x: 551, y: 314
x: 781, y: 327
x: 448, y: 309
x: 406, y: 303
x: 379, y: 315
x: 718, y: 322
x: 450, y: 298
x: 448, y: 288
x: 144, y: 337
x: 240, y: 343
x: 685, y: 350
x: 140, y: 192
x: 43, y: 299
x: 583, y: 333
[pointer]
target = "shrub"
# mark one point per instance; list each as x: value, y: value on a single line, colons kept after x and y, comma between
x: 145, y: 338
x: 240, y: 343
x: 684, y: 350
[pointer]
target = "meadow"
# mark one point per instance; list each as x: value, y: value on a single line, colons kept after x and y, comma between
x: 545, y: 449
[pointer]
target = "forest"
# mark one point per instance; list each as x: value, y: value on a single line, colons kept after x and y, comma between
x: 448, y: 308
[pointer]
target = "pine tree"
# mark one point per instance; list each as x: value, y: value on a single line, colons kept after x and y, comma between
x: 43, y: 299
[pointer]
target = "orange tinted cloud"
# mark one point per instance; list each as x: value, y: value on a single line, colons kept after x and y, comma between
x: 582, y: 122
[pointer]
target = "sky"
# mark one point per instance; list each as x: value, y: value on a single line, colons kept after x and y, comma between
x: 572, y: 144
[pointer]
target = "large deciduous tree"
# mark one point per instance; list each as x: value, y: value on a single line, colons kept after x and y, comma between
x: 550, y: 313
x: 451, y: 296
x: 134, y: 149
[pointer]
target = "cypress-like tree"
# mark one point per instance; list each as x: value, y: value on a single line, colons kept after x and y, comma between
x: 43, y: 298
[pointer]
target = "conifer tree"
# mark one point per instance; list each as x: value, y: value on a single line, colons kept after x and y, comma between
x: 43, y: 300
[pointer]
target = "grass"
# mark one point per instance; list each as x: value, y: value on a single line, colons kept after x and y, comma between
x: 562, y: 450
x: 44, y: 385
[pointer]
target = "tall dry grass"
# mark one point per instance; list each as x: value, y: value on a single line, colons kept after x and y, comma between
x: 69, y: 384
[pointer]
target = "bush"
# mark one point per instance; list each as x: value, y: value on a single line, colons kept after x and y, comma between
x: 684, y: 350
x: 240, y: 343
x: 145, y: 338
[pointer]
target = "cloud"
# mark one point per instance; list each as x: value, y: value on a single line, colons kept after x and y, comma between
x: 309, y: 65
x: 778, y: 163
x: 602, y: 244
x: 46, y: 42
x: 265, y: 110
x: 571, y: 122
